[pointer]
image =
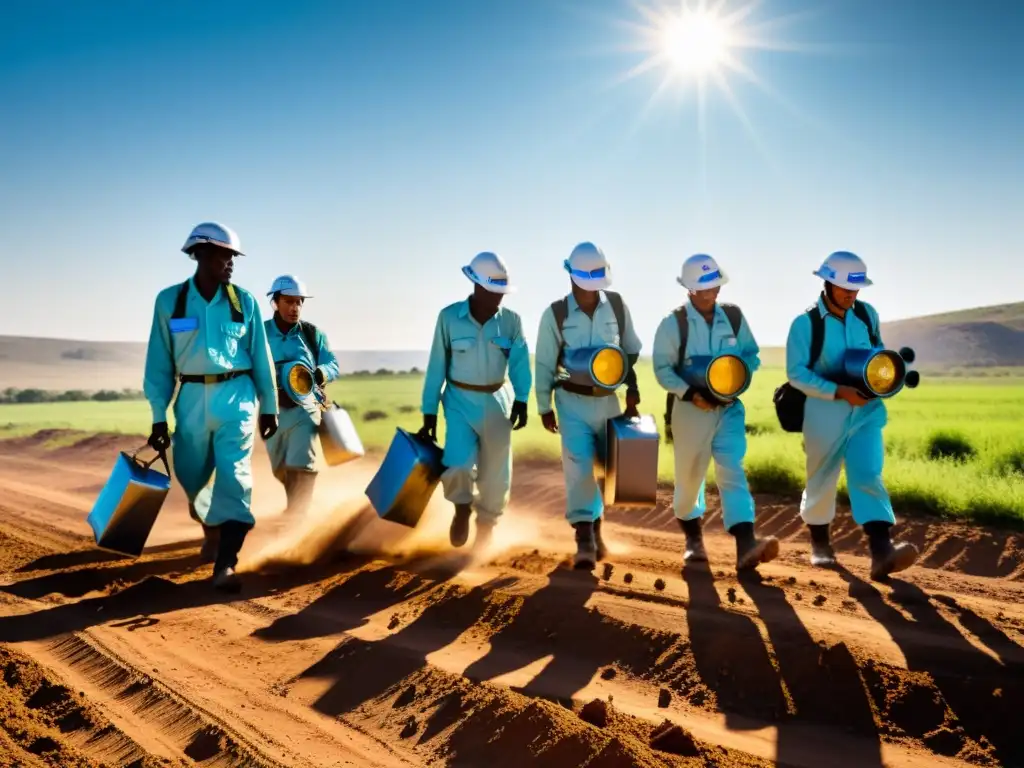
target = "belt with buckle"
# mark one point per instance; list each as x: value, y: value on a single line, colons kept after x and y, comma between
x: 210, y: 378
x: 580, y: 389
x: 489, y: 388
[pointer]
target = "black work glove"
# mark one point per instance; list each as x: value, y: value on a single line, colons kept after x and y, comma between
x: 429, y: 429
x: 159, y: 437
x: 518, y: 417
x: 268, y: 425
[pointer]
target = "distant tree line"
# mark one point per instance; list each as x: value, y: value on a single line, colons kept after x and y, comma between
x: 383, y: 372
x: 13, y: 395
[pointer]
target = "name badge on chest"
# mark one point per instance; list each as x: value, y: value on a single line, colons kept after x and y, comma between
x: 182, y: 324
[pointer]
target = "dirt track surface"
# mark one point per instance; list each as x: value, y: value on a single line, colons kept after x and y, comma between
x: 358, y: 643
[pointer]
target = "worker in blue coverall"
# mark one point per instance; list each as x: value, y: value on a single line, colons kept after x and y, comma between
x: 703, y: 426
x: 208, y: 335
x: 476, y: 342
x: 583, y: 412
x: 840, y: 426
x: 293, y: 449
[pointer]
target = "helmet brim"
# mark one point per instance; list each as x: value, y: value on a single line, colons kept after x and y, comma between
x: 503, y: 289
x: 716, y: 283
x: 194, y: 241
x: 866, y: 282
x: 291, y: 292
x: 591, y: 283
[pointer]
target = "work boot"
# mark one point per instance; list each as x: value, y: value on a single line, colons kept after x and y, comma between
x: 484, y: 529
x: 887, y: 557
x: 601, y: 551
x: 459, y: 532
x: 586, y: 548
x: 822, y: 554
x: 211, y: 540
x: 226, y: 580
x: 694, y: 552
x: 232, y: 536
x: 750, y: 550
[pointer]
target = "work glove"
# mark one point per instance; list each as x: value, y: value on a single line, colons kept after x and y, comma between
x: 632, y: 401
x: 550, y: 422
x: 268, y: 425
x: 159, y: 437
x: 518, y: 417
x: 429, y: 429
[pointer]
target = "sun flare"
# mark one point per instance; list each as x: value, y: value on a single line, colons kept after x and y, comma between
x: 695, y: 42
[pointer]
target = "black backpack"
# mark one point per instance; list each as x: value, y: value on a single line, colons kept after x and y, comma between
x: 789, y: 401
x: 735, y: 315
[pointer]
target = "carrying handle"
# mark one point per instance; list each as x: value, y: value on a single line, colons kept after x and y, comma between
x: 162, y: 455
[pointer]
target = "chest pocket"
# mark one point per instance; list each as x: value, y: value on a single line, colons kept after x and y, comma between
x: 610, y: 333
x: 233, y: 335
x: 503, y: 344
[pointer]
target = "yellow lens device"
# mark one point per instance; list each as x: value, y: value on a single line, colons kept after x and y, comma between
x: 608, y: 367
x: 882, y: 373
x: 727, y: 376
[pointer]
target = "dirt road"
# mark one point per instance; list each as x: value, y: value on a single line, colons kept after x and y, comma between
x: 358, y: 643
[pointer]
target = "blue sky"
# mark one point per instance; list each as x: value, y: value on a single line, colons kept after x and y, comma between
x: 373, y: 148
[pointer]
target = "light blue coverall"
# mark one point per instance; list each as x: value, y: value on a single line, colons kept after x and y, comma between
x: 834, y: 431
x: 293, y: 446
x: 214, y: 423
x: 582, y: 420
x: 478, y: 432
x: 701, y: 435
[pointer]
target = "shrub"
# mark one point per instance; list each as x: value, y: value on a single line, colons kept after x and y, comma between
x: 406, y: 408
x: 950, y: 445
x: 374, y: 415
x: 1011, y: 463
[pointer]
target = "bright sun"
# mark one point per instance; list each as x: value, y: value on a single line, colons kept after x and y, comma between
x: 695, y: 42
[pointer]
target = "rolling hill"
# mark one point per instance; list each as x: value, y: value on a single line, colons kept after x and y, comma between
x: 986, y: 337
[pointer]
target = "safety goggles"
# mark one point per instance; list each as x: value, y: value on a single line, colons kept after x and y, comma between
x: 593, y: 274
x: 489, y: 280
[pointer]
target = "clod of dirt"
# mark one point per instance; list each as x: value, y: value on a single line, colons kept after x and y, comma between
x: 595, y: 712
x: 798, y: 596
x: 820, y: 599
x: 406, y: 697
x: 628, y: 578
x: 720, y: 574
x: 731, y: 594
x: 791, y: 580
x: 410, y: 728
x: 536, y: 552
x: 664, y: 698
x: 608, y: 673
x: 609, y: 569
x: 669, y: 737
x: 813, y: 583
x: 850, y: 604
x: 659, y: 584
x: 395, y: 621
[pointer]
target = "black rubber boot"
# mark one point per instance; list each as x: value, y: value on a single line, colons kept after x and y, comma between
x: 232, y: 537
x: 886, y: 557
x: 822, y: 554
x: 458, y: 534
x: 601, y: 551
x: 211, y: 540
x: 586, y: 548
x: 750, y: 550
x: 694, y: 530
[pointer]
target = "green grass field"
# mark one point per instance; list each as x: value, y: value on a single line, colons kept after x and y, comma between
x: 955, y: 445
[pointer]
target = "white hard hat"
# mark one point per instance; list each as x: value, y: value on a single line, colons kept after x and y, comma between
x: 845, y: 270
x: 289, y: 285
x: 701, y: 272
x: 488, y: 270
x: 588, y: 268
x: 215, y: 234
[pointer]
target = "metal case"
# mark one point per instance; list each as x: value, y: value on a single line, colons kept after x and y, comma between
x: 631, y: 462
x: 339, y: 439
x: 124, y: 512
x: 402, y: 487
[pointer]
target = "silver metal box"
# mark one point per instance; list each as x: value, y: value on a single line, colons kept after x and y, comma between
x: 338, y: 437
x: 631, y: 462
